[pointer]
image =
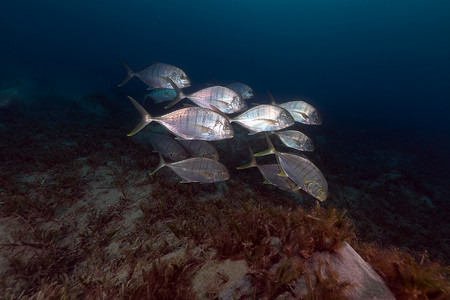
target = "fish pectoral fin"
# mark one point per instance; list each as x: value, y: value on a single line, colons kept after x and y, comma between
x: 270, y: 121
x: 202, y: 129
x: 220, y: 103
x: 305, y: 116
x: 183, y: 180
x: 205, y: 175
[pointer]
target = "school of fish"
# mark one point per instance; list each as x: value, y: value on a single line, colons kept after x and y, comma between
x: 191, y: 155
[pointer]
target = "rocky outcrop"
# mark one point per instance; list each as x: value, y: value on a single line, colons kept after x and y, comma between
x: 230, y: 280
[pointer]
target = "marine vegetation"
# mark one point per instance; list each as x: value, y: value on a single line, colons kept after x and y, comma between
x: 405, y: 276
x: 81, y: 217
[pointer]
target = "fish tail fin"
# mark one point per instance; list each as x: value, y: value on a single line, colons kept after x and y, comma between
x: 145, y: 120
x: 179, y: 92
x: 251, y: 164
x: 162, y: 163
x: 270, y: 150
x: 128, y: 76
x: 272, y: 100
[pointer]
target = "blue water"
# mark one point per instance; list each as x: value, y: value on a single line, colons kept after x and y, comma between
x: 378, y: 71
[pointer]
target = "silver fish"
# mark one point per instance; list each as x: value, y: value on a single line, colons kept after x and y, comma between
x: 152, y: 75
x: 242, y: 89
x: 200, y: 149
x: 190, y: 123
x: 264, y: 118
x: 295, y: 139
x: 196, y: 169
x: 270, y: 173
x: 161, y: 95
x: 301, y: 111
x: 168, y: 146
x: 302, y: 171
x: 222, y: 98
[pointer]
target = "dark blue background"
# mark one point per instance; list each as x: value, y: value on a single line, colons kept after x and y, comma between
x: 381, y: 65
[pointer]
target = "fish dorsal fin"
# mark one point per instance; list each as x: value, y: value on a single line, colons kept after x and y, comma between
x: 272, y: 100
x: 270, y: 150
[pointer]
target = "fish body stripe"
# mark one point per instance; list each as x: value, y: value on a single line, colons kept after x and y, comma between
x: 197, y: 123
x: 264, y: 118
x: 300, y: 109
x: 296, y: 140
x: 169, y: 147
x: 271, y: 171
x: 218, y: 96
x: 152, y: 75
x: 199, y: 169
x: 302, y: 171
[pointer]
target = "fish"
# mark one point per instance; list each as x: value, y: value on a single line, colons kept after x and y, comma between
x: 301, y: 170
x: 300, y: 110
x: 200, y: 149
x: 224, y: 99
x: 190, y: 123
x: 242, y: 89
x: 295, y: 139
x: 196, y: 169
x: 270, y: 173
x: 169, y: 147
x: 152, y: 75
x: 264, y: 118
x: 161, y: 95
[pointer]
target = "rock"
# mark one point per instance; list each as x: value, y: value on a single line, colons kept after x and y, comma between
x: 239, y: 288
x: 224, y: 278
x: 349, y: 267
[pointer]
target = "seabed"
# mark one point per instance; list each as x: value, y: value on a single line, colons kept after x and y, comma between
x: 81, y: 218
